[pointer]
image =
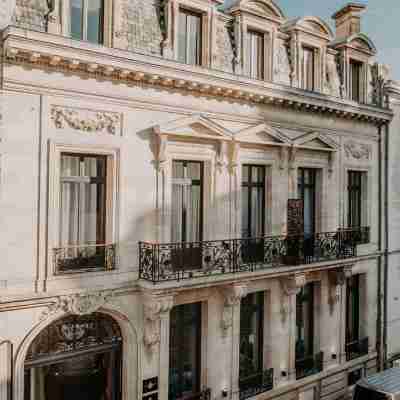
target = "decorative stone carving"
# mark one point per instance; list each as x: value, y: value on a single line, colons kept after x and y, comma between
x: 31, y: 14
x: 283, y: 158
x: 233, y: 295
x: 78, y: 304
x: 86, y: 120
x: 337, y: 278
x: 154, y: 308
x: 234, y: 157
x: 290, y: 286
x: 380, y: 74
x: 292, y: 157
x: 358, y: 151
x: 159, y: 148
x: 282, y: 68
x: 332, y: 81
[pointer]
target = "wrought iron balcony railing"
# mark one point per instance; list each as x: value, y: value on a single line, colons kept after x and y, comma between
x: 186, y: 260
x: 308, y: 366
x: 252, y: 385
x: 205, y: 394
x: 357, y: 348
x: 82, y: 258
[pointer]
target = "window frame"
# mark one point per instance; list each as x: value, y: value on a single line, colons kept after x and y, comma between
x: 304, y: 74
x: 106, y: 25
x: 252, y: 34
x: 365, y: 194
x: 360, y: 97
x: 112, y: 168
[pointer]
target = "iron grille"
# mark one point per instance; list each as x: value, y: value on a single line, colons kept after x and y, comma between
x: 187, y: 260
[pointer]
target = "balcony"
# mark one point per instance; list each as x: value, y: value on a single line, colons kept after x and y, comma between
x: 255, y: 384
x: 356, y: 349
x: 190, y: 260
x: 309, y: 365
x: 83, y: 258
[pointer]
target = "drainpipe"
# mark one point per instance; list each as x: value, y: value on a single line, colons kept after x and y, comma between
x: 386, y: 234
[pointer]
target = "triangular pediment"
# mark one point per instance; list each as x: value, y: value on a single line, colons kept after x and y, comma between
x: 317, y: 141
x: 195, y: 126
x: 262, y: 134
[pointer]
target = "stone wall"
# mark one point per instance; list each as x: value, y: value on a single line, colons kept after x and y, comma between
x: 30, y: 14
x: 140, y: 24
x: 224, y: 56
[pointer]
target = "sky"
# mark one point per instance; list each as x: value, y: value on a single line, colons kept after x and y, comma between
x: 380, y: 22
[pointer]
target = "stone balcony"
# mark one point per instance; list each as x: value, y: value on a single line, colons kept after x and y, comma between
x: 174, y: 262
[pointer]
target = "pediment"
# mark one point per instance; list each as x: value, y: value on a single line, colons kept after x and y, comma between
x: 262, y: 8
x: 196, y: 126
x: 317, y: 141
x: 262, y: 134
x: 311, y: 24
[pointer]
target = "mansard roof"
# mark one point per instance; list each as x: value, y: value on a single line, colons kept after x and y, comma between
x: 309, y: 23
x: 358, y: 40
x: 265, y: 8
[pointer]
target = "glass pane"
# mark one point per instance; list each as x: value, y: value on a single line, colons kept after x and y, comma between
x: 182, y: 37
x: 245, y: 212
x: 256, y: 54
x: 177, y: 170
x: 245, y: 173
x: 77, y: 19
x: 193, y: 213
x: 69, y: 214
x: 194, y: 170
x: 70, y: 165
x: 257, y: 222
x: 304, y: 322
x: 95, y: 21
x: 94, y: 166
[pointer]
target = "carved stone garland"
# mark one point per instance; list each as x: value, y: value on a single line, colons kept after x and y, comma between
x: 78, y: 304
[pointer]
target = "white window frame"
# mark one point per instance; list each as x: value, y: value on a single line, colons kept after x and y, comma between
x: 56, y: 150
x: 107, y: 21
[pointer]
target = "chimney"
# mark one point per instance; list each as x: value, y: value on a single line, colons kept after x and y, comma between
x: 347, y: 19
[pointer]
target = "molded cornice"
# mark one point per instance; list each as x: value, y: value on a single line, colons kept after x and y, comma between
x: 45, y: 51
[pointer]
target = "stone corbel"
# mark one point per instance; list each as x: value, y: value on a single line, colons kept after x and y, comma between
x: 154, y: 308
x: 159, y: 148
x: 292, y: 157
x: 283, y: 158
x: 234, y: 157
x: 331, y: 162
x: 290, y: 286
x: 337, y: 279
x: 222, y: 155
x: 233, y: 295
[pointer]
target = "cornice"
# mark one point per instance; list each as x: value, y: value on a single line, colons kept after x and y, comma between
x: 45, y: 51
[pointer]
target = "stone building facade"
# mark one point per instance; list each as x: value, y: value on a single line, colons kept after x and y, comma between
x: 189, y: 201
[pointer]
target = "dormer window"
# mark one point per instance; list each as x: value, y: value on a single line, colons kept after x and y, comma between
x: 356, y: 81
x: 308, y: 69
x: 87, y: 20
x: 189, y: 37
x: 256, y: 54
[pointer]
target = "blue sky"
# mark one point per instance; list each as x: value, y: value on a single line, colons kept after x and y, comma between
x: 381, y: 22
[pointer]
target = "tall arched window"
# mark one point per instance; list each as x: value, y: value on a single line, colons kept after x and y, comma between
x: 87, y: 20
x: 76, y: 357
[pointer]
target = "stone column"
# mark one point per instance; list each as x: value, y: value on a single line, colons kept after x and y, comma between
x: 231, y: 318
x: 156, y: 335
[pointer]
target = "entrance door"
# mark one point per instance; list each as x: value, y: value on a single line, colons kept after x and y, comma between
x: 306, y: 192
x: 253, y: 212
x: 187, y: 214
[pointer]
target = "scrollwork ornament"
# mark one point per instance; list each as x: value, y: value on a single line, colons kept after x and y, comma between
x: 233, y: 295
x: 78, y: 304
x: 358, y: 151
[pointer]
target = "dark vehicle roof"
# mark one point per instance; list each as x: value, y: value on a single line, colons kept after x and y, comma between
x: 386, y: 381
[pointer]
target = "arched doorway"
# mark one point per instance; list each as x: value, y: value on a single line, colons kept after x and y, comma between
x: 76, y: 357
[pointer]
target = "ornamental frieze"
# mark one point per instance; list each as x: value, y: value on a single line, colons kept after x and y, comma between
x: 358, y: 151
x: 86, y: 120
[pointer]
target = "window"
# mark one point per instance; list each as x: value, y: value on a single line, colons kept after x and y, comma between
x: 355, y: 193
x: 76, y: 357
x: 256, y: 54
x: 355, y: 346
x: 356, y: 91
x: 87, y: 20
x: 307, y: 363
x: 252, y: 377
x: 185, y: 351
x: 189, y: 37
x: 308, y: 69
x: 83, y: 199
